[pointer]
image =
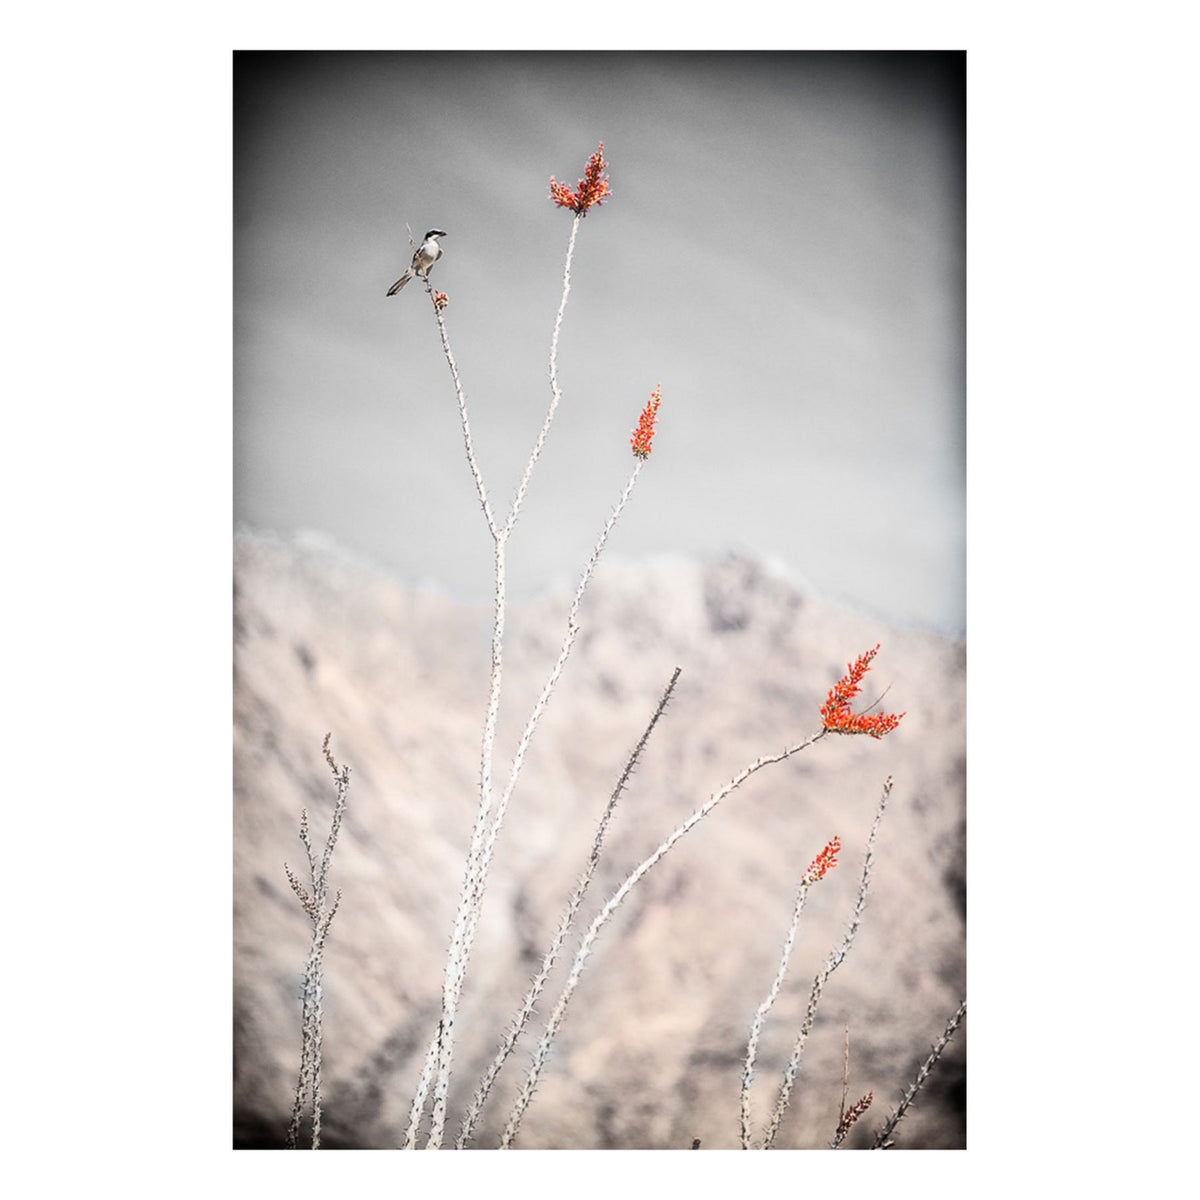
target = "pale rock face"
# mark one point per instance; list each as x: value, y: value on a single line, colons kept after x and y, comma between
x: 651, y: 1052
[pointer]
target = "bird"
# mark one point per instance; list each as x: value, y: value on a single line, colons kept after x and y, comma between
x: 428, y: 252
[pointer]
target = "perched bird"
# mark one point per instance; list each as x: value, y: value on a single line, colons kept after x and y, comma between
x: 428, y: 252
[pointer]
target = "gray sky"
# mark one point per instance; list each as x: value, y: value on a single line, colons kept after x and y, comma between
x: 784, y: 251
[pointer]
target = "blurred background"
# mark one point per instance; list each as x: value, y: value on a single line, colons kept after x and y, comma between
x: 783, y: 251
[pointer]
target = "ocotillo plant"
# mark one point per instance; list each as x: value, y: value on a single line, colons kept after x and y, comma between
x: 430, y: 1096
x: 320, y: 913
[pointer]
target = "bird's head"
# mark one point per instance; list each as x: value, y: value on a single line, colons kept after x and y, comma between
x: 435, y: 233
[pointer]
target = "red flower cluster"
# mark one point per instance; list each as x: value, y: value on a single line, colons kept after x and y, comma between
x: 824, y: 861
x: 836, y: 714
x: 592, y: 189
x: 644, y: 433
x: 440, y: 299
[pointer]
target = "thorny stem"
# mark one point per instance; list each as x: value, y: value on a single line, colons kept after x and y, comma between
x: 442, y: 1043
x: 479, y: 860
x: 845, y: 1076
x: 555, y: 390
x: 831, y: 964
x: 418, y: 1101
x: 308, y: 846
x: 309, y: 1083
x: 883, y: 1137
x: 544, y: 698
x: 518, y: 1023
x: 318, y: 994
x: 462, y: 413
x: 473, y: 882
x: 341, y: 777
x: 765, y: 1007
x: 585, y: 947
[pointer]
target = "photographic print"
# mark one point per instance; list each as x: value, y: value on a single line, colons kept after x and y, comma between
x: 599, y: 730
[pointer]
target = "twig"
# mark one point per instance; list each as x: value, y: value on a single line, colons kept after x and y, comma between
x: 845, y: 1076
x: 555, y: 390
x: 462, y: 414
x: 883, y: 1137
x: 831, y: 965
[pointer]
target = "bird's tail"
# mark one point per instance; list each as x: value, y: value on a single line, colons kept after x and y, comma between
x: 400, y: 283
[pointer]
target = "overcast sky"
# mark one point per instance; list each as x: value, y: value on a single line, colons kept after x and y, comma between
x: 784, y: 251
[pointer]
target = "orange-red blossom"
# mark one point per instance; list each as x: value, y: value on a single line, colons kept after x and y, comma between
x: 836, y: 713
x: 591, y: 189
x: 824, y: 861
x: 643, y: 435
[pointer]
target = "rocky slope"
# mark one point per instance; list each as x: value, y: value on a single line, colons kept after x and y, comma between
x: 651, y: 1052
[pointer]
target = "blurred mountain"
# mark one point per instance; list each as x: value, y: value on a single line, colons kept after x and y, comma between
x: 651, y: 1052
